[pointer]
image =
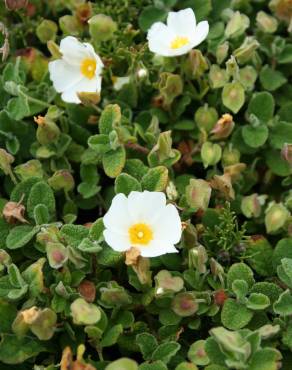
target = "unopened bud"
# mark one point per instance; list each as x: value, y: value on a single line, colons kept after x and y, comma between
x: 246, y: 51
x: 46, y: 30
x: 206, y: 117
x: 32, y: 168
x: 84, y: 313
x: 251, y: 206
x: 223, y: 127
x: 101, y: 27
x: 237, y: 25
x: 198, y: 194
x: 89, y: 98
x: 195, y: 64
x: 62, y: 180
x: 218, y: 77
x: 198, y: 258
x: 184, y: 304
x: 210, y: 153
x: 276, y: 216
x: 47, y: 131
x: 70, y: 25
x: 266, y: 22
x: 222, y: 52
x: 287, y: 153
x: 230, y: 156
x: 15, y: 4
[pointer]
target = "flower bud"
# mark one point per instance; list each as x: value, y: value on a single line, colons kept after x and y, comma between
x: 54, y: 49
x: 224, y: 185
x: 234, y: 171
x: 287, y: 153
x: 223, y: 127
x: 245, y: 52
x: 210, y: 153
x: 87, y: 290
x: 266, y: 22
x: 84, y: 12
x: 218, y: 77
x: 247, y: 77
x: 6, y: 159
x: 84, y: 313
x: 5, y: 259
x: 165, y: 283
x: 198, y: 194
x: 222, y: 52
x: 216, y: 268
x: 282, y: 9
x: 47, y: 131
x: 237, y: 25
x: 70, y: 25
x: 206, y: 117
x: 113, y: 295
x: 47, y: 235
x: 251, y: 206
x: 276, y: 216
x: 32, y: 168
x: 170, y: 86
x: 62, y: 180
x: 57, y: 254
x: 195, y: 65
x: 46, y: 30
x: 15, y: 4
x: 101, y: 27
x: 184, y: 304
x: 14, y: 212
x: 197, y: 259
x: 230, y: 156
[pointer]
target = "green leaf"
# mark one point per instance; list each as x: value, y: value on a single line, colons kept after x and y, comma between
x: 283, y: 306
x: 155, y: 179
x: 234, y: 315
x: 147, y: 344
x: 99, y: 143
x: 233, y: 96
x: 265, y: 359
x: 202, y: 8
x: 114, y: 161
x: 257, y: 301
x: 111, y: 336
x: 34, y: 277
x: 150, y: 15
x: 41, y: 193
x: 260, y: 100
x: 41, y: 214
x: 15, y: 277
x: 255, y: 136
x: 8, y: 313
x: 110, y: 118
x: 156, y: 365
x: 240, y: 288
x: 271, y: 79
x: 125, y: 183
x: 74, y: 234
x: 18, y: 108
x: 277, y: 164
x: 14, y: 350
x: 280, y: 133
x: 165, y: 351
x: 19, y: 236
x: 240, y: 271
x: 282, y: 250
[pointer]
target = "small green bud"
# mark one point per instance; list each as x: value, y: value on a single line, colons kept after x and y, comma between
x: 196, y: 64
x: 165, y: 283
x: 233, y: 96
x: 266, y: 22
x: 222, y: 52
x: 237, y: 25
x: 230, y: 156
x: 251, y: 206
x: 46, y: 30
x: 6, y: 159
x: 184, y: 304
x: 62, y: 180
x: 47, y: 131
x: 32, y: 168
x: 102, y: 27
x: 198, y: 194
x: 197, y: 353
x: 206, y: 117
x: 210, y: 153
x: 113, y: 295
x: 218, y: 77
x: 276, y: 216
x: 198, y: 258
x: 247, y: 77
x: 223, y: 127
x: 84, y: 313
x: 246, y: 51
x: 70, y: 25
x: 170, y: 86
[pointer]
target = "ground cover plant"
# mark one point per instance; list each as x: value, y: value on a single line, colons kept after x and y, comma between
x: 145, y: 184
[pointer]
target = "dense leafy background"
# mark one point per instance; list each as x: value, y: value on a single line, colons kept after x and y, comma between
x: 223, y: 302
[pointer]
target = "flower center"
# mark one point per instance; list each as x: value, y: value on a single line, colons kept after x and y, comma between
x: 140, y: 234
x: 88, y: 67
x: 179, y: 42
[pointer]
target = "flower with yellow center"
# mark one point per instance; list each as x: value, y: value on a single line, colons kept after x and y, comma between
x: 180, y: 35
x: 143, y: 221
x: 78, y: 70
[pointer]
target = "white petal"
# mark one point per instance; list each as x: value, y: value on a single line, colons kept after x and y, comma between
x: 118, y: 242
x: 63, y: 75
x: 182, y: 23
x: 157, y: 248
x: 73, y: 51
x: 200, y: 33
x: 117, y: 218
x: 159, y: 39
x: 168, y: 225
x: 145, y: 206
x: 84, y: 85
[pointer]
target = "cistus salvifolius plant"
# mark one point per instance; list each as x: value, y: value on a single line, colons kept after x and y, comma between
x: 145, y: 185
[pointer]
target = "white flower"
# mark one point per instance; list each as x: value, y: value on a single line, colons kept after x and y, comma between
x: 179, y: 36
x: 79, y: 70
x: 119, y: 82
x: 142, y: 221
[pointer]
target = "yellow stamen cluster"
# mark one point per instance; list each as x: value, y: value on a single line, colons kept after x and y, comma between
x: 140, y: 234
x: 88, y: 67
x: 179, y: 42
